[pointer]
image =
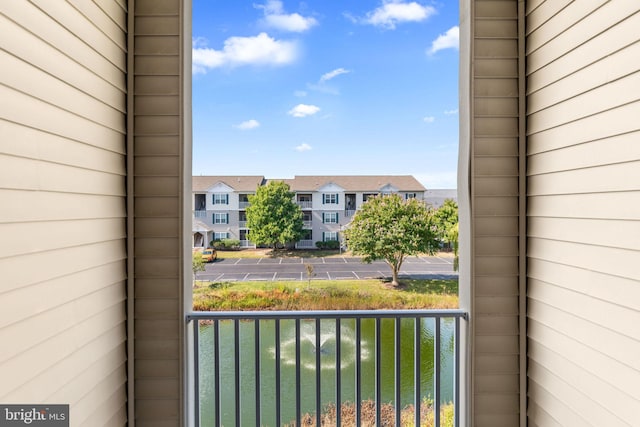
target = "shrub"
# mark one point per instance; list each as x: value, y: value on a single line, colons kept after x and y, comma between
x: 329, y: 244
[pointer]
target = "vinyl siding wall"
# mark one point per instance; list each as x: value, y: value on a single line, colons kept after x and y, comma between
x: 63, y: 209
x: 162, y: 208
x: 494, y: 211
x: 583, y: 104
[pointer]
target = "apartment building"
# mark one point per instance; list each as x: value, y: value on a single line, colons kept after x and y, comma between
x: 327, y: 202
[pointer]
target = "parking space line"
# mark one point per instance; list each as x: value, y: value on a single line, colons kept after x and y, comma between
x: 259, y: 259
x: 356, y: 274
x: 280, y: 262
x: 236, y: 263
x: 345, y: 261
x: 246, y: 276
x: 274, y: 276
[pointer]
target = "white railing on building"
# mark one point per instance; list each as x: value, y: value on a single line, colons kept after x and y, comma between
x: 242, y: 224
x: 247, y: 244
x: 306, y: 224
x: 243, y: 205
x: 199, y: 214
x: 305, y: 204
x: 305, y: 244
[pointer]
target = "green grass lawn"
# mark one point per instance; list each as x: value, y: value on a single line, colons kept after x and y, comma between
x: 325, y: 295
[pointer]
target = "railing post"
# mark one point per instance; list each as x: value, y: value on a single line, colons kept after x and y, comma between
x: 196, y: 371
x: 398, y: 399
x: 436, y: 374
x: 417, y: 346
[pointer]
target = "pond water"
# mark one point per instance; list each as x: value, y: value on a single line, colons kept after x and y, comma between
x: 308, y: 366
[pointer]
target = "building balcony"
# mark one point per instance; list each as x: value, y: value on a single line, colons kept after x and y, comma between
x: 306, y: 224
x: 296, y: 368
x: 200, y: 214
x: 305, y: 244
x: 305, y: 204
x: 242, y: 224
x: 348, y: 213
x: 247, y: 244
x: 243, y: 205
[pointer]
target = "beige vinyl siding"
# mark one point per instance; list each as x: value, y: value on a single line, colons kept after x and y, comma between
x: 62, y: 216
x: 583, y: 74
x: 495, y: 181
x: 158, y: 177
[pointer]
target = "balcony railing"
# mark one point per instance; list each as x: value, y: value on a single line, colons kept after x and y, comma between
x: 349, y: 212
x: 199, y: 214
x: 305, y: 204
x: 305, y: 244
x: 242, y: 224
x: 297, y: 368
x: 306, y: 224
x: 243, y: 205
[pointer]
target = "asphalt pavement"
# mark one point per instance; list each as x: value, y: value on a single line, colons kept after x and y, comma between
x: 333, y: 268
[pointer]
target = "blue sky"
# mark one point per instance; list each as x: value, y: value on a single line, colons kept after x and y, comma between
x: 326, y: 87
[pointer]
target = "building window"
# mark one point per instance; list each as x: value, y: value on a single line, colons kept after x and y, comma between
x: 221, y: 218
x: 220, y: 236
x: 307, y: 216
x: 329, y: 235
x: 410, y: 196
x: 367, y: 196
x: 330, y: 217
x: 220, y: 199
x: 330, y: 199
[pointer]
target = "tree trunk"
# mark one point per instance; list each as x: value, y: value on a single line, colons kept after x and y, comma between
x: 394, y: 277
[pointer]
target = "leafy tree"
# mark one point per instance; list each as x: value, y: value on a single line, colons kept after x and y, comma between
x: 272, y: 217
x: 446, y: 220
x: 390, y: 228
x: 197, y: 264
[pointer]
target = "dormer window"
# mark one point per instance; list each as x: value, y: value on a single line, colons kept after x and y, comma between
x: 330, y: 199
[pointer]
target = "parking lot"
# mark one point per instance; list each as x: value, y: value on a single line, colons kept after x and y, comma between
x: 333, y: 268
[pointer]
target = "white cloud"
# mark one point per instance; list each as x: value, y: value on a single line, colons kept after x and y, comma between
x: 303, y: 147
x: 239, y: 51
x: 448, y: 40
x: 275, y: 17
x: 303, y: 110
x: 451, y: 112
x: 300, y: 93
x: 331, y: 74
x: 247, y: 125
x: 429, y: 119
x: 393, y: 12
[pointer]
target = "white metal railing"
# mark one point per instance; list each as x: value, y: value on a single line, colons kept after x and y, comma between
x: 247, y: 244
x: 242, y: 224
x: 306, y: 224
x: 243, y: 205
x: 305, y: 244
x: 272, y: 368
x: 305, y: 204
x: 349, y: 212
x: 199, y: 214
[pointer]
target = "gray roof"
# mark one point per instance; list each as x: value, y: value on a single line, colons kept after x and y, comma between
x: 300, y: 183
x: 238, y: 183
x: 354, y: 182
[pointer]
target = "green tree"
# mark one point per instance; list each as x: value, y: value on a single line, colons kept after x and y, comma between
x: 197, y: 265
x: 446, y: 219
x: 390, y: 228
x: 272, y: 217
